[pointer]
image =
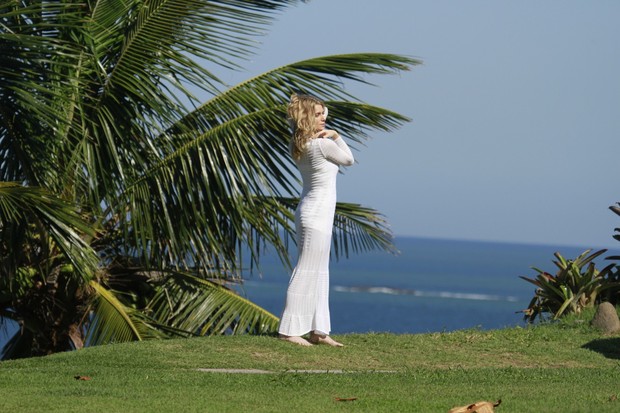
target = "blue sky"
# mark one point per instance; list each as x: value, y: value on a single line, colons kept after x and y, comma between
x: 516, y: 113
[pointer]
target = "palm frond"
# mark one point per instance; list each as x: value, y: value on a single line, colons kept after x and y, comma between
x: 21, y: 206
x: 357, y: 229
x: 204, y: 307
x: 322, y: 77
x: 236, y: 153
x: 37, y: 68
x: 146, y: 58
x: 111, y: 321
x: 212, y: 182
x: 165, y: 40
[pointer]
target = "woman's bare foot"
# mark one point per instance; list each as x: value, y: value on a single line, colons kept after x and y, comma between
x: 295, y: 339
x: 324, y: 339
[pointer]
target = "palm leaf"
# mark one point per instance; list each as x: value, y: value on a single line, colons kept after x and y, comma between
x: 37, y: 66
x: 204, y: 307
x: 20, y: 205
x: 111, y: 321
x: 158, y: 48
x: 318, y: 76
x: 357, y: 229
x: 236, y: 153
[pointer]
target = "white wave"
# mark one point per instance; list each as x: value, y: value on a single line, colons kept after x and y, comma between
x: 374, y: 290
x: 418, y: 293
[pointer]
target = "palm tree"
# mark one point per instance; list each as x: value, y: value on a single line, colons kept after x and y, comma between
x: 128, y: 208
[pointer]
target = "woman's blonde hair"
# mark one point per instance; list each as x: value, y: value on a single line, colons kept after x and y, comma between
x: 300, y: 114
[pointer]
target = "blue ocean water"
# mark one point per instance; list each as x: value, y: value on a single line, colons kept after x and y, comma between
x: 433, y: 285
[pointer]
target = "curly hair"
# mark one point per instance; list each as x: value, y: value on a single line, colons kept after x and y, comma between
x: 300, y: 114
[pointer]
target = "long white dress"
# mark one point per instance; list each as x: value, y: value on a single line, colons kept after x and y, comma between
x: 307, y: 297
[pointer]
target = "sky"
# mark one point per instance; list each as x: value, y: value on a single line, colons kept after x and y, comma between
x: 515, y: 132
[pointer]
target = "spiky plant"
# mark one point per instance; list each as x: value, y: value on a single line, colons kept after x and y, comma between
x: 577, y: 285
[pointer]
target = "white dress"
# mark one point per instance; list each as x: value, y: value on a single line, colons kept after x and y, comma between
x: 307, y: 298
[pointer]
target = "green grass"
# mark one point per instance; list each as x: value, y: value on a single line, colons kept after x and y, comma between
x: 564, y: 367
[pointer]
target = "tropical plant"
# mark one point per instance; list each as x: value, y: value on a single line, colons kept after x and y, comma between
x: 576, y: 285
x: 128, y: 204
x: 613, y: 294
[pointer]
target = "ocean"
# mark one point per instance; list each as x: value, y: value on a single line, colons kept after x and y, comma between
x: 433, y: 285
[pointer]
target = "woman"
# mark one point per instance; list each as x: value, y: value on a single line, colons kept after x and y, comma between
x: 318, y: 153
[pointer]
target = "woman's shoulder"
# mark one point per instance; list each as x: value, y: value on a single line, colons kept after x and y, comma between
x: 314, y: 143
x: 322, y: 141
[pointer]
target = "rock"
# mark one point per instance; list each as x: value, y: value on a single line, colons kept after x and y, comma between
x: 606, y: 318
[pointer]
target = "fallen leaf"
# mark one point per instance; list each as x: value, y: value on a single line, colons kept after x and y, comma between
x: 85, y: 378
x: 478, y: 407
x: 345, y: 399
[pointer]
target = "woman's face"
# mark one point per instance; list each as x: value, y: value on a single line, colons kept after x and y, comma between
x: 319, y: 118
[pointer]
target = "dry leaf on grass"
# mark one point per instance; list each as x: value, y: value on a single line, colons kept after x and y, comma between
x: 345, y: 399
x: 85, y: 378
x: 478, y: 407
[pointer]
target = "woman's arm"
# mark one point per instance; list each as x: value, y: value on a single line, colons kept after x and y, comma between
x: 336, y: 150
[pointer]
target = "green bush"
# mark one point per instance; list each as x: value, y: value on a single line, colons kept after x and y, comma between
x: 613, y: 294
x: 576, y: 285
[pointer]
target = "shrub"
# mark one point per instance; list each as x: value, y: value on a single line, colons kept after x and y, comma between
x: 576, y: 285
x: 613, y: 294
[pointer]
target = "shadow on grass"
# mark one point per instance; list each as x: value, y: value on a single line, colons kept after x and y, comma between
x: 608, y: 347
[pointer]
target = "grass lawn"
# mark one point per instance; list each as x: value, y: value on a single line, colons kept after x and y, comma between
x: 563, y: 367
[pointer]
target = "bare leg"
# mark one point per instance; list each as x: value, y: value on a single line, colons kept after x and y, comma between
x: 295, y: 339
x: 324, y: 339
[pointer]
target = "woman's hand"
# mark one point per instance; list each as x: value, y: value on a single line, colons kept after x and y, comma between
x: 327, y: 133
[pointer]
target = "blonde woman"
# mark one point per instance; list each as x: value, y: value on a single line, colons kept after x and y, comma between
x: 318, y: 153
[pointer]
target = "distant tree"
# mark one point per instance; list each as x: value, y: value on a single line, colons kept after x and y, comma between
x: 127, y: 206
